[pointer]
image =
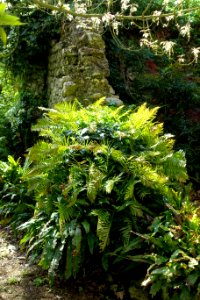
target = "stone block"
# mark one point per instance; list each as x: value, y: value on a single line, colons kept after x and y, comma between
x: 69, y: 88
x: 113, y: 101
x: 91, y: 40
x: 86, y: 51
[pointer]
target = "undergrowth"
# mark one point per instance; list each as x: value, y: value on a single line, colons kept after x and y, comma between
x: 108, y: 184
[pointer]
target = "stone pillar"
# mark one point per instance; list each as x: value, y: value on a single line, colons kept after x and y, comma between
x: 78, y: 67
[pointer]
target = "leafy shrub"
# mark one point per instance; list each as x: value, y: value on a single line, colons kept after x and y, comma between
x: 171, y: 248
x: 99, y: 173
x: 16, y: 204
x: 8, y: 99
x: 20, y: 118
x: 174, y: 254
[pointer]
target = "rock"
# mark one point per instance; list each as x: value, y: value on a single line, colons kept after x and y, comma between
x: 69, y: 88
x: 113, y: 101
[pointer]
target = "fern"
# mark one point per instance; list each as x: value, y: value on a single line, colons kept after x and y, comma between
x: 110, y: 183
x: 94, y: 182
x: 100, y: 176
x: 141, y: 118
x: 126, y: 231
x: 103, y: 227
x: 174, y: 166
x: 129, y: 191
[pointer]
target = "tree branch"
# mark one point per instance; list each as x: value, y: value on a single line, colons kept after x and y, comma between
x: 117, y: 16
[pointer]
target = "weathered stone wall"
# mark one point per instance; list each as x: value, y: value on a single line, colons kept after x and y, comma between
x: 78, y: 67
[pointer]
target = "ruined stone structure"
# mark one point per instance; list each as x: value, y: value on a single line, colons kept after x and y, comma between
x: 75, y: 68
x: 78, y: 67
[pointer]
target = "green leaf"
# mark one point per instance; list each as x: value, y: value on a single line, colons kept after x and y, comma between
x: 129, y: 192
x: 91, y: 239
x: 185, y: 294
x: 76, y: 240
x: 156, y: 287
x: 109, y: 184
x: 104, y: 224
x: 3, y: 35
x: 86, y: 226
x: 166, y: 272
x: 94, y: 182
x: 49, y: 249
x: 6, y: 19
x: 58, y: 253
x: 192, y: 278
x: 2, y: 8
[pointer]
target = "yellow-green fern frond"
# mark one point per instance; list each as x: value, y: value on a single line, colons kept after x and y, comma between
x: 129, y: 190
x: 118, y: 156
x: 94, y: 182
x: 109, y: 184
x: 104, y: 224
x: 142, y: 116
x: 174, y: 165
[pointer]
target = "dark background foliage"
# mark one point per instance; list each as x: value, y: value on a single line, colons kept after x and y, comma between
x: 138, y: 76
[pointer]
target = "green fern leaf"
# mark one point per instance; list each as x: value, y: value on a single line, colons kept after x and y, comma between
x: 175, y: 166
x: 66, y: 212
x: 118, y: 156
x: 126, y: 231
x: 86, y: 226
x: 94, y: 182
x: 91, y: 240
x: 129, y: 190
x: 48, y: 249
x: 109, y: 184
x: 104, y: 224
x: 142, y: 116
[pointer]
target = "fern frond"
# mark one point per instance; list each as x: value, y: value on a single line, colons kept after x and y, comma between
x: 147, y: 174
x: 136, y: 209
x: 163, y: 144
x: 66, y: 212
x: 94, y: 182
x: 126, y: 231
x: 143, y: 115
x: 174, y: 165
x: 98, y: 103
x: 104, y: 224
x: 118, y: 156
x: 109, y: 184
x: 129, y: 189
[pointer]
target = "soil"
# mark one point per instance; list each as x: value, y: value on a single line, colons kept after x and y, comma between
x: 20, y: 280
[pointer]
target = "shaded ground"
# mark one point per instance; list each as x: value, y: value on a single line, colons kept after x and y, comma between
x: 21, y: 281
